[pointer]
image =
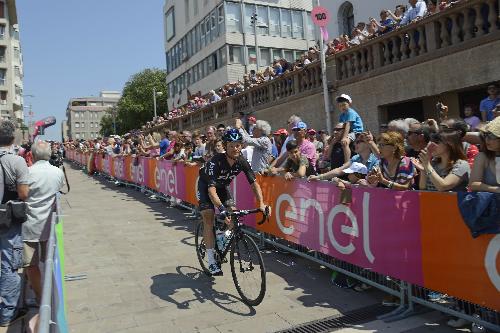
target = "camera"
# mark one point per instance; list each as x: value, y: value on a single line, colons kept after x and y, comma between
x: 56, y: 159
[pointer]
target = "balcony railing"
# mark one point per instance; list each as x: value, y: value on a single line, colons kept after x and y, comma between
x: 459, y: 25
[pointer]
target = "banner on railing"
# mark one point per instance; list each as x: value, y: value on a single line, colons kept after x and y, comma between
x: 58, y: 289
x: 418, y: 237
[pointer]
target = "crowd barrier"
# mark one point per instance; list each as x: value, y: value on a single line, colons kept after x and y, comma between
x: 52, y: 307
x: 406, y: 243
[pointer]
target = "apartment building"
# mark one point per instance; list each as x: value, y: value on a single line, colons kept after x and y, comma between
x: 83, y: 115
x: 11, y: 64
x: 211, y: 42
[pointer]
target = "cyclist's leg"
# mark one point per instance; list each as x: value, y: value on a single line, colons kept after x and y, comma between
x: 207, y: 212
x: 228, y: 202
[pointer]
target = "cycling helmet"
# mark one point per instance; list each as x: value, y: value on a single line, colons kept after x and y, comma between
x: 232, y: 135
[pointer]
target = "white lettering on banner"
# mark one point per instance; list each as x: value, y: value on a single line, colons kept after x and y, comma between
x: 196, y: 188
x: 294, y: 214
x: 172, y: 181
x: 157, y: 178
x: 140, y: 173
x: 490, y: 261
x: 288, y: 214
x: 118, y: 168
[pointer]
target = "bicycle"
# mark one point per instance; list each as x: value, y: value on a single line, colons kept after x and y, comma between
x: 245, y: 257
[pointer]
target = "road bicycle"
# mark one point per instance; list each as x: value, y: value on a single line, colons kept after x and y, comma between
x: 247, y: 267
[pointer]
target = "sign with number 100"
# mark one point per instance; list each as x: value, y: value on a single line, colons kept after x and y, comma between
x: 320, y: 16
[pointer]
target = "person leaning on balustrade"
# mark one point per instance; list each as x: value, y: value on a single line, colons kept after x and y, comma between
x: 485, y: 176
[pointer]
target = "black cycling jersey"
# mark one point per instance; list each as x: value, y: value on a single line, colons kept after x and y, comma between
x: 217, y: 172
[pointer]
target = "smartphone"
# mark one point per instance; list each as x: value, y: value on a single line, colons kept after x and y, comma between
x: 431, y: 148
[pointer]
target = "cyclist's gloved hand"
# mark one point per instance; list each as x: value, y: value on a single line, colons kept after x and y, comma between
x: 223, y: 214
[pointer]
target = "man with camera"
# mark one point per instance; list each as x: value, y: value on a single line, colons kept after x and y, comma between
x: 13, y: 188
x: 45, y: 180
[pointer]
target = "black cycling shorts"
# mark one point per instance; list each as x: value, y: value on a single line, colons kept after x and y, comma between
x: 204, y: 199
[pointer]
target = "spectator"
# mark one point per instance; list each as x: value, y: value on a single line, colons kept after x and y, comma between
x: 45, y: 181
x: 221, y: 128
x: 13, y: 186
x: 489, y: 104
x: 199, y: 149
x: 219, y: 147
x: 418, y: 138
x: 356, y: 174
x: 398, y: 125
x: 470, y: 118
x: 396, y: 170
x: 485, y: 175
x: 179, y: 152
x: 213, y: 97
x: 386, y: 23
x: 311, y: 135
x: 459, y: 126
x: 417, y: 10
x: 251, y: 124
x: 210, y: 143
x: 352, y: 121
x: 296, y: 165
x: 364, y: 156
x: 164, y: 143
x: 262, y: 146
x: 292, y: 120
x: 443, y: 164
x: 334, y: 154
x: 279, y: 138
x: 306, y: 147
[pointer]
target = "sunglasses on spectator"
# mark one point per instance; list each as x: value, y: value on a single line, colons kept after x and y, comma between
x: 445, y: 128
x: 296, y: 129
x: 383, y: 144
x: 489, y: 136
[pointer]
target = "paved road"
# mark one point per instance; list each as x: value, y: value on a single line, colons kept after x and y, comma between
x: 143, y: 275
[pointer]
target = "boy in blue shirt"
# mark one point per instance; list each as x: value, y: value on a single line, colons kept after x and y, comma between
x: 352, y: 121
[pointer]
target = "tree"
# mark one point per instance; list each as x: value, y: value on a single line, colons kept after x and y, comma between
x: 135, y: 107
x: 106, y: 125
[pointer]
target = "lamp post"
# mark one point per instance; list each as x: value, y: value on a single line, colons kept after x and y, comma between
x: 256, y: 24
x: 156, y: 93
x: 30, y: 114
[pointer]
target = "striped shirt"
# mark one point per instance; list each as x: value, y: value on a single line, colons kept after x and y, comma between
x: 404, y: 172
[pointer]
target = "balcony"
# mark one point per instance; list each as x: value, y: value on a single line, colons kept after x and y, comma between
x: 451, y: 50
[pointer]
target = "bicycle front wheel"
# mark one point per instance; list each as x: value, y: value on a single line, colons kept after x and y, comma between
x: 247, y: 268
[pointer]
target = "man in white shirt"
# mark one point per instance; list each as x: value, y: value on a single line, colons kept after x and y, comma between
x: 417, y: 10
x: 45, y: 180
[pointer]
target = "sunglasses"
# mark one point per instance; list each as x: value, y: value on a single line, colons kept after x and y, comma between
x: 297, y: 129
x: 490, y: 136
x: 445, y: 128
x: 383, y: 144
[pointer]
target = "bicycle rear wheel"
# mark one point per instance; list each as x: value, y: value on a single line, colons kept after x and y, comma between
x: 247, y: 268
x: 201, y: 249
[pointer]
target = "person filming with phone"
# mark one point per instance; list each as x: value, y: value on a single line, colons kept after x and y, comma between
x: 443, y: 164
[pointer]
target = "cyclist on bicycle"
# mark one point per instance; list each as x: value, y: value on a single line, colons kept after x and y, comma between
x: 213, y: 189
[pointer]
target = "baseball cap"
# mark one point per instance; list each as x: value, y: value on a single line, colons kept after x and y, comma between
x: 311, y: 131
x: 343, y: 98
x: 300, y: 125
x: 357, y: 167
x: 281, y: 131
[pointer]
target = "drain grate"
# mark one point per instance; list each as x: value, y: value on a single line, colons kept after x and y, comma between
x: 349, y: 319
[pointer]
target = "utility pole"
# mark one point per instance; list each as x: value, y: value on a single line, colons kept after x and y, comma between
x: 326, y: 97
x: 257, y: 53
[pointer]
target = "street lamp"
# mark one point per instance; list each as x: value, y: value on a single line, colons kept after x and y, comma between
x: 156, y: 93
x: 256, y: 24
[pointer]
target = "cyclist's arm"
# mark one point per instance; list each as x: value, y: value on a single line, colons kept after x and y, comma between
x: 258, y: 195
x: 212, y: 194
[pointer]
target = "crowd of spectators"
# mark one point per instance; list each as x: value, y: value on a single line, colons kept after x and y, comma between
x: 388, y: 21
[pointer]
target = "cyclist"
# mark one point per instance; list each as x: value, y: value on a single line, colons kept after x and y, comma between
x: 215, y: 178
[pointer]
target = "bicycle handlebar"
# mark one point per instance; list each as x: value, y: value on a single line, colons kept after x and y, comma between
x: 244, y: 212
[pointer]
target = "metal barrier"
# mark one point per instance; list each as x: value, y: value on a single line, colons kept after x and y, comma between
x: 51, y: 317
x: 413, y: 299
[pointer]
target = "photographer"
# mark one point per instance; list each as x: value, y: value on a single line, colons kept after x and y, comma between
x: 56, y: 157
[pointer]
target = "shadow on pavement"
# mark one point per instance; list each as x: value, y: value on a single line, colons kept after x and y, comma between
x: 166, y: 285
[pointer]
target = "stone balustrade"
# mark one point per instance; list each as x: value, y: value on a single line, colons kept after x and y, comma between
x: 428, y: 38
x: 465, y: 25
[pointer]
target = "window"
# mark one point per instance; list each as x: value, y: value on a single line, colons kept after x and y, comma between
x: 77, y: 125
x: 263, y: 20
x: 3, y: 73
x: 77, y: 115
x: 274, y: 21
x: 17, y: 53
x: 289, y: 55
x: 298, y: 24
x: 170, y: 24
x: 286, y: 23
x: 205, y: 67
x: 2, y: 31
x: 82, y: 125
x: 186, y: 10
x: 200, y: 71
x: 208, y: 31
x: 235, y: 56
x: 222, y: 57
x: 277, y: 54
x: 195, y: 7
x: 310, y: 27
x: 249, y: 11
x: 202, y: 32
x: 265, y: 56
x: 211, y: 67
x: 83, y: 135
x: 3, y: 97
x: 2, y: 53
x: 77, y: 135
x: 346, y: 18
x: 252, y: 57
x: 213, y: 24
x: 91, y: 125
x: 233, y: 17
x: 2, y: 9
x: 220, y: 17
x: 189, y: 39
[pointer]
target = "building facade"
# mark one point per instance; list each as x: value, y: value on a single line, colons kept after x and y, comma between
x: 11, y: 64
x: 209, y: 43
x: 83, y: 115
x: 346, y: 14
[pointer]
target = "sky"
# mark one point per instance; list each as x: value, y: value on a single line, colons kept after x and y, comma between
x: 78, y: 48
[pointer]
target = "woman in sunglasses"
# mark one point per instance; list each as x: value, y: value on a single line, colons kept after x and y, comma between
x: 485, y: 175
x: 444, y: 164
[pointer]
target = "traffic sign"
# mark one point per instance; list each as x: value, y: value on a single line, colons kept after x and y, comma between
x: 320, y: 16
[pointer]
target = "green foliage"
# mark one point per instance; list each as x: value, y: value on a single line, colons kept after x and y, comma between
x: 135, y: 107
x: 106, y: 124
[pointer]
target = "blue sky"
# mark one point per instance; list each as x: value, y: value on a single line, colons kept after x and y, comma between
x: 78, y: 48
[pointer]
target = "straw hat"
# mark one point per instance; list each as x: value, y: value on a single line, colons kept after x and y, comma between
x: 493, y: 127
